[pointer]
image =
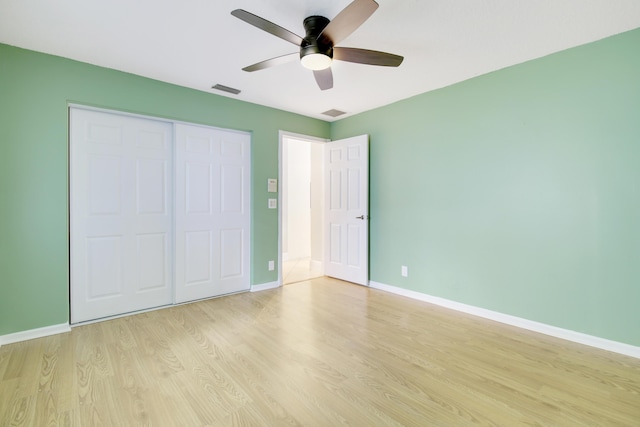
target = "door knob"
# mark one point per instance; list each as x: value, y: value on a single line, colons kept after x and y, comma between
x: 363, y: 217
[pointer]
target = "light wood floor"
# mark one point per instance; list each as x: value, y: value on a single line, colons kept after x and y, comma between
x: 318, y: 353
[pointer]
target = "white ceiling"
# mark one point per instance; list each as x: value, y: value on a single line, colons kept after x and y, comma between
x: 197, y: 43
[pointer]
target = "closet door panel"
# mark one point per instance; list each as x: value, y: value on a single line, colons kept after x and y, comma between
x: 121, y: 224
x: 198, y: 256
x: 212, y: 212
x: 234, y: 218
x: 153, y: 264
x: 195, y: 218
x: 105, y: 267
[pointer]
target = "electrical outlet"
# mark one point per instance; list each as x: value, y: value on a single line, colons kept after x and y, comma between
x: 404, y: 271
x: 271, y: 265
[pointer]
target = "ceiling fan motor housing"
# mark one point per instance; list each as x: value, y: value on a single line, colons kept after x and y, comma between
x: 313, y: 26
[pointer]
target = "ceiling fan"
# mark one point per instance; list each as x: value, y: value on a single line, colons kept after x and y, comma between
x: 317, y: 48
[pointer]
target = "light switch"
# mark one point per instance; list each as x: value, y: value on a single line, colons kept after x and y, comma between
x: 272, y: 185
x: 273, y: 203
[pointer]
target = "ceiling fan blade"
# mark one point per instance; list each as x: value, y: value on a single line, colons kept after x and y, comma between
x: 346, y: 22
x: 324, y: 78
x: 369, y: 57
x: 278, y: 60
x: 267, y: 26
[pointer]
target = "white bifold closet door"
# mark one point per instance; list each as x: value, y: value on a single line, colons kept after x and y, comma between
x: 212, y: 212
x: 121, y: 214
x: 159, y: 212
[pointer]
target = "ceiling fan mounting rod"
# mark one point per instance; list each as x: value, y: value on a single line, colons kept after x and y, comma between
x: 313, y: 25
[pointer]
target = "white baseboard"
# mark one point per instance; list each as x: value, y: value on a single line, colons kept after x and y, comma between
x: 554, y: 331
x: 265, y: 286
x: 34, y: 333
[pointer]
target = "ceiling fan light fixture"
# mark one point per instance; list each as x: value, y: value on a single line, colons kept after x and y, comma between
x: 317, y: 48
x: 316, y: 61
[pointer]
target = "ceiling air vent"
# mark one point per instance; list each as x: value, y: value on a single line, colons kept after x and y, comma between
x: 226, y: 89
x: 334, y: 113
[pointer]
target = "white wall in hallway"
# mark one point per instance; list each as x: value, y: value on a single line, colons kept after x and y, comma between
x: 298, y: 182
x: 317, y: 199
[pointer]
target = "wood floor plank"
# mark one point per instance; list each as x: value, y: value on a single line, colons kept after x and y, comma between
x: 4, y: 361
x: 22, y: 412
x: 315, y: 353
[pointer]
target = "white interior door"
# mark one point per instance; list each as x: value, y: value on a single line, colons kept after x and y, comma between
x: 121, y: 218
x: 212, y: 212
x: 347, y: 209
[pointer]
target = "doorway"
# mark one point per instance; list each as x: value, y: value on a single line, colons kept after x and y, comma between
x: 301, y: 202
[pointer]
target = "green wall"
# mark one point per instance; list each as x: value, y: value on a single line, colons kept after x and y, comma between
x: 35, y: 90
x: 517, y: 191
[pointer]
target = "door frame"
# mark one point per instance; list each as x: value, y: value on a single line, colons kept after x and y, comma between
x: 282, y: 134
